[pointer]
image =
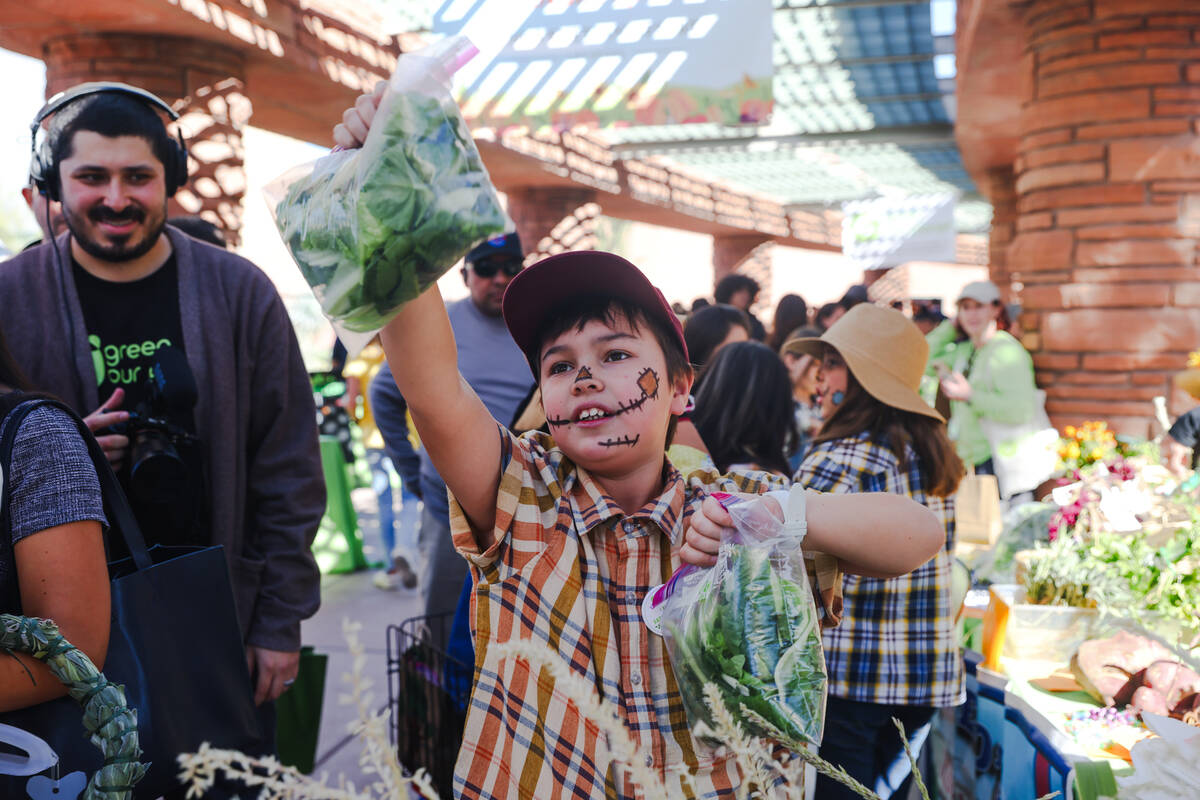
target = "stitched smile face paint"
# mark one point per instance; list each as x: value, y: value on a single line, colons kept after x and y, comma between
x: 606, y: 395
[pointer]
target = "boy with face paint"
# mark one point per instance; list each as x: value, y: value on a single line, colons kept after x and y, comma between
x: 566, y: 533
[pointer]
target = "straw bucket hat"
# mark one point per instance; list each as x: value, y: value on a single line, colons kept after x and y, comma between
x: 884, y: 352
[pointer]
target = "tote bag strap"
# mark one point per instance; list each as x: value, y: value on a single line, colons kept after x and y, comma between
x: 116, y: 506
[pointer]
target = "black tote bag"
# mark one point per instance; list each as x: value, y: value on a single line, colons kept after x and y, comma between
x: 175, y: 645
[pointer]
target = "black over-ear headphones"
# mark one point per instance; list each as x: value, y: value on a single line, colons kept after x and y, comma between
x: 43, y: 172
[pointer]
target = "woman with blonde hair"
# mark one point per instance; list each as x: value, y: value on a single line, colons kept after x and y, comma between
x: 895, y: 653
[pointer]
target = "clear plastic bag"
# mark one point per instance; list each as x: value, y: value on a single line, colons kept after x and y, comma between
x: 372, y: 228
x: 749, y: 626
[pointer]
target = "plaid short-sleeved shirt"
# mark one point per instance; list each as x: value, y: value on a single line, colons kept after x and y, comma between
x: 570, y: 570
x: 896, y: 643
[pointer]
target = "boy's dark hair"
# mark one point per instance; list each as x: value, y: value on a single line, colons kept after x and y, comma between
x: 109, y: 114
x: 730, y: 285
x: 707, y: 328
x: 744, y: 408
x: 609, y: 310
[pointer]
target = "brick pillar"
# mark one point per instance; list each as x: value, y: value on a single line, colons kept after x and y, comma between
x: 1002, y: 192
x: 201, y: 79
x: 1108, y: 203
x: 551, y: 221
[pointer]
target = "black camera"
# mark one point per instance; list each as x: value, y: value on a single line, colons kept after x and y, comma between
x: 157, y: 473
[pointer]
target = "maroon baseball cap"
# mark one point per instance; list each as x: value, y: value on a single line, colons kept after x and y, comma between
x: 537, y: 291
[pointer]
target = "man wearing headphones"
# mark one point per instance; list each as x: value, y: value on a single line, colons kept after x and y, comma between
x: 491, y: 363
x: 87, y: 317
x: 47, y: 213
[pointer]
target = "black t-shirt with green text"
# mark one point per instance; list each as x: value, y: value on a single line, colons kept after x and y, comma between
x: 126, y: 324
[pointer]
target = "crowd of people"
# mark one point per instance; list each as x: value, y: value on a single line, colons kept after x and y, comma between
x: 542, y: 404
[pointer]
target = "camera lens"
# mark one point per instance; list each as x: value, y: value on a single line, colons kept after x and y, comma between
x: 157, y: 474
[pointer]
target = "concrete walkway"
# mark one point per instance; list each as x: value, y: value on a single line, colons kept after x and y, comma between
x: 354, y: 597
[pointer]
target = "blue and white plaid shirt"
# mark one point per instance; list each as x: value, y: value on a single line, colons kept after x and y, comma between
x: 897, y: 643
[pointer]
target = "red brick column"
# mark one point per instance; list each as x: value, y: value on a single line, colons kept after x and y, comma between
x: 1108, y: 203
x: 551, y: 221
x: 201, y: 79
x: 1003, y: 194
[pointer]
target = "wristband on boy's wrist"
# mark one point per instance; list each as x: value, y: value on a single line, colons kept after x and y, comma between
x: 795, y: 509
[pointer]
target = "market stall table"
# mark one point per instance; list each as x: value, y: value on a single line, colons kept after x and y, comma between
x: 1021, y: 737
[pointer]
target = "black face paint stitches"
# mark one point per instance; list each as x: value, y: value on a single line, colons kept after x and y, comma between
x: 647, y: 382
x: 623, y: 441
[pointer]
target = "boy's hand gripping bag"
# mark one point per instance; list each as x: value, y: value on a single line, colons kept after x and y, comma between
x: 372, y: 228
x: 749, y: 626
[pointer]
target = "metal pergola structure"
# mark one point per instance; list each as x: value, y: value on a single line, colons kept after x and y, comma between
x: 864, y: 107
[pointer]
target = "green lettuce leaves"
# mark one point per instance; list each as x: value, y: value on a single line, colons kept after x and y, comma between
x: 371, y: 229
x: 754, y: 634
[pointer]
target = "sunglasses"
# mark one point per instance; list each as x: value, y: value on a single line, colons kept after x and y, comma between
x: 489, y: 268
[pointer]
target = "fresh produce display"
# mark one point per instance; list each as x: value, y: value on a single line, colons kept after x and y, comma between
x: 749, y: 626
x: 1107, y: 573
x: 1124, y: 495
x: 1108, y: 716
x: 372, y: 228
x: 1126, y: 575
x: 1127, y: 670
x: 1087, y: 444
x: 1060, y: 575
x: 1107, y: 729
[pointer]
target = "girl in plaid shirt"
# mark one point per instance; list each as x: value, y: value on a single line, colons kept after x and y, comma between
x: 895, y: 653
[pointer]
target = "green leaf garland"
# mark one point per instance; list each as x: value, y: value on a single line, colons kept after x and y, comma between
x: 111, y: 723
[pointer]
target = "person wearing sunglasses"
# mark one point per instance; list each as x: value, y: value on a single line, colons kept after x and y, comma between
x: 496, y: 369
x: 489, y: 267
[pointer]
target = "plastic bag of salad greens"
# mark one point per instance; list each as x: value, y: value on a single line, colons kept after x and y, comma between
x: 749, y: 626
x: 372, y: 228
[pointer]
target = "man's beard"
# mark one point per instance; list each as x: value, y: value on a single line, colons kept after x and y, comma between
x: 119, y: 252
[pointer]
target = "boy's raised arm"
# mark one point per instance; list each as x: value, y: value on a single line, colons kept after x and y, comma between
x: 455, y: 427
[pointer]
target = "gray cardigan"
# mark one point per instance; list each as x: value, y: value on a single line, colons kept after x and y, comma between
x: 255, y: 413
